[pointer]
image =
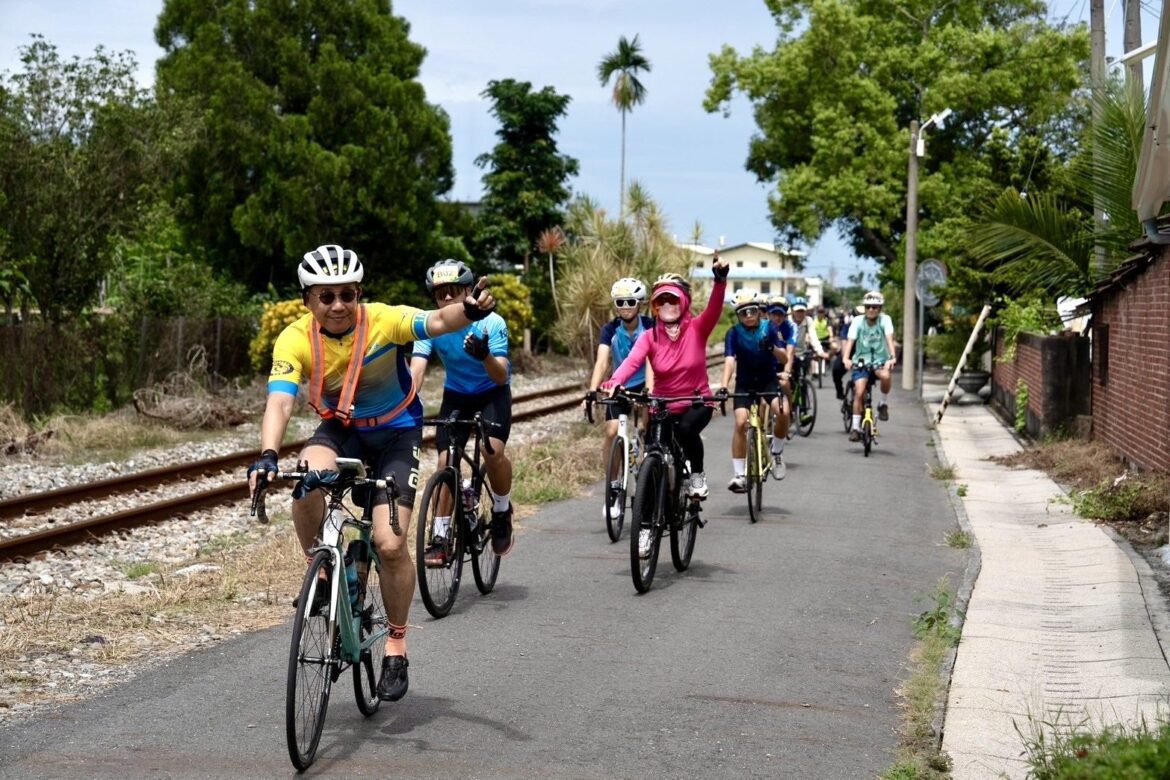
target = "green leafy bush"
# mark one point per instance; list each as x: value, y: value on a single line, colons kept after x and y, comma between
x: 1025, y: 315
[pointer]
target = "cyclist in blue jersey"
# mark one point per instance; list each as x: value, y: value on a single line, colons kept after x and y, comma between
x: 778, y: 314
x: 613, y: 345
x: 478, y: 375
x: 752, y: 349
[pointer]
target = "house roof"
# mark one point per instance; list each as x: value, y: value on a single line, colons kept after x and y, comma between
x: 699, y: 249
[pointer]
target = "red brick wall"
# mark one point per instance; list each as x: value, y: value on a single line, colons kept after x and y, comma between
x: 1026, y: 366
x: 1131, y: 410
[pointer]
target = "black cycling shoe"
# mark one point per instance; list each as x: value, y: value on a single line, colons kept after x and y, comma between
x: 502, y: 532
x: 394, y: 681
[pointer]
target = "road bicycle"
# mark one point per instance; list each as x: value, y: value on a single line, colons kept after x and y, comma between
x: 341, y: 620
x: 660, y: 500
x: 467, y: 503
x: 621, y: 464
x: 869, y: 431
x: 803, y: 403
x: 759, y: 451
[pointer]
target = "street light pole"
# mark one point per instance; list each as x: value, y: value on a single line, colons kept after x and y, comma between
x: 909, y: 326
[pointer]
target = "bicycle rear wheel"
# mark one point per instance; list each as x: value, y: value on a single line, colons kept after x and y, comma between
x: 485, y: 564
x: 311, y: 662
x: 682, y: 536
x: 438, y: 585
x: 373, y: 630
x: 807, y: 413
x: 756, y: 474
x: 648, y: 513
x: 615, y: 488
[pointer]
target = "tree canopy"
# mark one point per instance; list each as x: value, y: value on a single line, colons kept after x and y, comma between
x: 314, y: 129
x: 834, y: 99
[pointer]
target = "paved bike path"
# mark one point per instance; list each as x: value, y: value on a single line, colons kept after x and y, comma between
x: 776, y: 655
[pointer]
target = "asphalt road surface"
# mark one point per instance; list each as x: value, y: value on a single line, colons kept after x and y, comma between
x: 776, y: 655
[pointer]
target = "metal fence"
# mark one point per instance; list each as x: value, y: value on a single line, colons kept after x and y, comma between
x: 98, y: 363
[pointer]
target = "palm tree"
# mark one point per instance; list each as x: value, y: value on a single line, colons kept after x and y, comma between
x: 1036, y: 242
x: 624, y: 66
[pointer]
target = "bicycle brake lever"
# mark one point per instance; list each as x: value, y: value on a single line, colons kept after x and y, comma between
x: 259, y: 511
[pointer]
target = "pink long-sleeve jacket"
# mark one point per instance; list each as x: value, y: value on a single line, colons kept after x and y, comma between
x: 680, y: 367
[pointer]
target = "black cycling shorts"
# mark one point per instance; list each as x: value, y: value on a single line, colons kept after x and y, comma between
x: 495, y: 404
x: 387, y: 451
x: 770, y: 390
x: 613, y: 411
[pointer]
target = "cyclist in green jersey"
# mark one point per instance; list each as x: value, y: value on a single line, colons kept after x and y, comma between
x: 871, y: 339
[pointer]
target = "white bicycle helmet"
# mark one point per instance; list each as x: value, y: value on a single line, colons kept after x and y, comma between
x: 330, y: 264
x: 628, y: 287
x: 743, y: 299
x: 800, y: 304
x: 777, y: 303
x: 873, y: 298
x: 449, y: 272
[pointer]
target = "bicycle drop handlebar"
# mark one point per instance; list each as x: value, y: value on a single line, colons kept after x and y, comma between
x: 453, y: 420
x: 644, y: 398
x: 344, y: 482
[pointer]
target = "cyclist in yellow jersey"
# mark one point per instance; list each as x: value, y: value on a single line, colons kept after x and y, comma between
x: 355, y: 357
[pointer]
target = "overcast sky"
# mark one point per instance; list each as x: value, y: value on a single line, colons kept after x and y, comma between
x: 690, y: 161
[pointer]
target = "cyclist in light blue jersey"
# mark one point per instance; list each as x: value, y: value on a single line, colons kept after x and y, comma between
x: 478, y: 375
x: 613, y: 345
x: 871, y: 339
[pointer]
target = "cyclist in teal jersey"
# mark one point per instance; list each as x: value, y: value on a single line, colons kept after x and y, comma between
x: 871, y: 339
x: 614, y: 343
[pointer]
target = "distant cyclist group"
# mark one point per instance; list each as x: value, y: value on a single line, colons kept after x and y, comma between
x: 363, y: 364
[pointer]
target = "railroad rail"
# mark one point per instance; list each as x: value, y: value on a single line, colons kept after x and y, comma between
x: 30, y: 544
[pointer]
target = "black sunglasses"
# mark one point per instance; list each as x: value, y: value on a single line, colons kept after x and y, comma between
x: 328, y: 297
x: 625, y: 303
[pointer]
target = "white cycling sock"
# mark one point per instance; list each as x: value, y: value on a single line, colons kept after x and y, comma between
x: 739, y: 466
x: 441, y: 525
x: 856, y: 422
x: 500, y: 503
x: 884, y: 397
x: 778, y: 443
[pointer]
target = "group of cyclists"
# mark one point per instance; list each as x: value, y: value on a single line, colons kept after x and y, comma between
x: 364, y: 362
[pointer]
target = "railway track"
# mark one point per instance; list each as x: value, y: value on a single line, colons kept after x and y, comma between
x: 29, y: 544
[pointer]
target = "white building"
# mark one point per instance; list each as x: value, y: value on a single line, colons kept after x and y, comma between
x: 759, y: 267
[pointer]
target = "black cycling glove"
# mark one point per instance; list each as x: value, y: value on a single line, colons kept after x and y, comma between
x: 476, y: 346
x: 266, y: 463
x: 720, y: 272
x: 472, y: 311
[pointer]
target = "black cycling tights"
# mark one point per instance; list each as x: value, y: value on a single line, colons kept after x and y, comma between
x: 688, y: 426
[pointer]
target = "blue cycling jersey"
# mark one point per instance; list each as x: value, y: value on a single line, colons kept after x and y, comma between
x: 620, y: 341
x: 465, y: 374
x: 752, y: 349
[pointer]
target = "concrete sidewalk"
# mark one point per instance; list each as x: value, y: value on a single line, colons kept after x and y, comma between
x: 1060, y: 624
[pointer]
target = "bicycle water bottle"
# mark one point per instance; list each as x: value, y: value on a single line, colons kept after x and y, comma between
x: 357, y: 559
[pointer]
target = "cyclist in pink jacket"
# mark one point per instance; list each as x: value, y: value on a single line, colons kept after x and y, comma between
x: 677, y: 351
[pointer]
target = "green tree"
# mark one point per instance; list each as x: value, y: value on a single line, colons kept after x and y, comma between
x: 75, y: 151
x: 526, y: 184
x: 833, y: 103
x: 314, y: 129
x: 624, y: 65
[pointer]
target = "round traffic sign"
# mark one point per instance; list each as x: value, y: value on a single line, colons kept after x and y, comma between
x: 931, y: 275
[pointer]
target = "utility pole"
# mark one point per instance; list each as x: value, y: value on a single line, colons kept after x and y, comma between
x: 1133, y: 40
x: 909, y: 325
x: 1097, y: 82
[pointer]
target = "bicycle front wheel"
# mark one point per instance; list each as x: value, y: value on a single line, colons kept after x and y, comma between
x: 485, y: 564
x: 866, y: 436
x: 311, y: 662
x: 615, y: 488
x: 756, y: 473
x: 647, y: 516
x: 807, y: 413
x: 438, y: 583
x: 372, y: 632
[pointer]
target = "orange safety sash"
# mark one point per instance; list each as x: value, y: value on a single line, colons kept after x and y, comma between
x: 344, y: 411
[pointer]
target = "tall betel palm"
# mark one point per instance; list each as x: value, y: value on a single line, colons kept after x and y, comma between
x: 624, y: 66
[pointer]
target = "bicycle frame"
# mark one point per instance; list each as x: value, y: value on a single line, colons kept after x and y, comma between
x: 456, y: 456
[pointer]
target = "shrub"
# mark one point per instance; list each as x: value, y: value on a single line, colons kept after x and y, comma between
x: 276, y: 317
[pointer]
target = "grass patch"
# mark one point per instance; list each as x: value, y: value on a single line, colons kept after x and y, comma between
x: 555, y: 469
x: 960, y: 540
x: 1058, y: 751
x: 943, y: 473
x: 139, y: 569
x: 961, y: 490
x: 919, y: 757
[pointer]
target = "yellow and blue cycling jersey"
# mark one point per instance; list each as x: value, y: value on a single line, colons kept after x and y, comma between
x: 465, y: 374
x: 385, y: 379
